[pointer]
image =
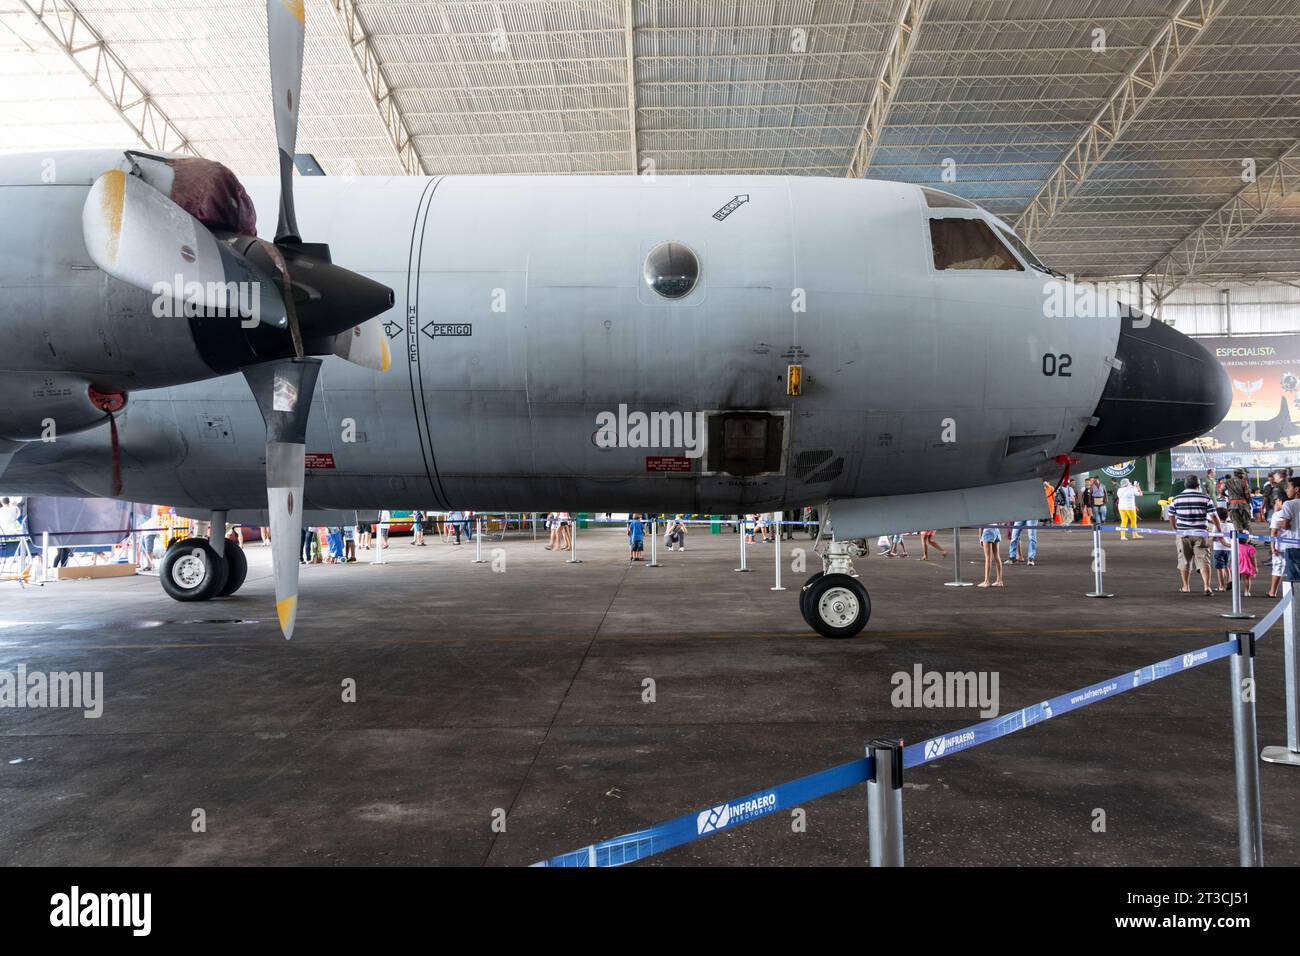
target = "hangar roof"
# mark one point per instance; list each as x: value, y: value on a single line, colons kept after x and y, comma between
x: 1123, y: 137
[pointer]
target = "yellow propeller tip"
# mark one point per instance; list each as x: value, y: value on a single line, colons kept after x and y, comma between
x: 287, y: 610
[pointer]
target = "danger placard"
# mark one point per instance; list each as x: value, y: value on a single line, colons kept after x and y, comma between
x: 319, y: 460
x: 658, y: 464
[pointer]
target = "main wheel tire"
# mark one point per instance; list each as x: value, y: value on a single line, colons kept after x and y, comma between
x: 236, y: 569
x: 838, y: 606
x: 803, y: 595
x: 192, y: 571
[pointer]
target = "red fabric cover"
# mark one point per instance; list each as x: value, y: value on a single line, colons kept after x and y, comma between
x: 212, y: 194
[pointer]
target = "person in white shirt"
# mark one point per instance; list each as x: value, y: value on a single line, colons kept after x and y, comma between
x: 1126, y: 496
x: 11, y: 520
x: 1288, y: 533
x: 1278, y: 563
x: 1222, y: 547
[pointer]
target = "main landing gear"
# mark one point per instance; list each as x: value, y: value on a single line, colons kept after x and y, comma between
x: 833, y: 601
x: 196, y: 570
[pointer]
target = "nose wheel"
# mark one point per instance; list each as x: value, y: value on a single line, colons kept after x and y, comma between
x: 835, y: 605
x: 833, y: 601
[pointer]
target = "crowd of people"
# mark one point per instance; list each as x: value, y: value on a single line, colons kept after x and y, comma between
x: 1206, y: 525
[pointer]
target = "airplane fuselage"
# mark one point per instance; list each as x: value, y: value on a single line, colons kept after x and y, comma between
x: 523, y: 322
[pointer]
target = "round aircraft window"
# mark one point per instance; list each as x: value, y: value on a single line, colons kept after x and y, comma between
x: 672, y: 269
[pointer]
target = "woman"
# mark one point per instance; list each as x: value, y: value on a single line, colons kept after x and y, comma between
x: 676, y: 536
x: 990, y: 539
x: 1126, y: 496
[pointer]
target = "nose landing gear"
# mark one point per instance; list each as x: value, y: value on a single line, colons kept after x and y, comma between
x: 834, y: 602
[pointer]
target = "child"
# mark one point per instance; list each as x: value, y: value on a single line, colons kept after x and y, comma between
x: 1246, y: 563
x: 928, y: 542
x: 635, y: 537
x: 897, y: 546
x: 1222, y: 546
x: 1278, y: 563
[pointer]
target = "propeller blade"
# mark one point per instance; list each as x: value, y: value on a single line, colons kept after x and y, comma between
x: 283, y: 390
x: 286, y: 25
x: 140, y: 237
x: 365, y: 345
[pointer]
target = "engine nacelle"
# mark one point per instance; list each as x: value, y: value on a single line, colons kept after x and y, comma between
x: 41, y: 406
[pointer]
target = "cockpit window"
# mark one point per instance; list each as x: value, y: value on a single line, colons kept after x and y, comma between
x: 969, y: 244
x: 938, y: 199
x: 1018, y: 244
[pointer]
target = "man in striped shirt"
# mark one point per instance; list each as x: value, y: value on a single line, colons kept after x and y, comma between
x: 1188, y: 514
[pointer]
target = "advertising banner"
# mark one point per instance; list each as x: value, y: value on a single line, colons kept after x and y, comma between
x: 1262, y: 428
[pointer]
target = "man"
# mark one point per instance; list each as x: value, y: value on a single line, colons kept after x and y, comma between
x: 1188, y: 513
x: 1237, y: 491
x: 1098, y: 501
x: 11, y: 522
x: 1274, y: 493
x: 11, y: 527
x: 1017, y: 528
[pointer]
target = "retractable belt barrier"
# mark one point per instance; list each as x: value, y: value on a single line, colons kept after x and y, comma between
x: 732, y: 813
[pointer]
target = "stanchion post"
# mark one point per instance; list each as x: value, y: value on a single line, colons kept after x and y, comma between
x: 1098, y: 562
x: 776, y: 520
x: 573, y: 539
x: 478, y: 540
x: 654, y: 543
x: 1245, y: 745
x: 45, y: 556
x: 956, y: 581
x: 885, y: 803
x: 1234, y: 556
x: 744, y: 560
x: 376, y: 551
x: 1290, y: 754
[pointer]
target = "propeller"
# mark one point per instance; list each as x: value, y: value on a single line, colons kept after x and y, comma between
x: 189, y: 221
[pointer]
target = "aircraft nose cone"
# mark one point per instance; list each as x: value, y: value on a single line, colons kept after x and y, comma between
x: 1168, y: 390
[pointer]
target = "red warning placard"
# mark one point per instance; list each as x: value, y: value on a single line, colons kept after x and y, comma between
x: 319, y: 460
x: 657, y: 464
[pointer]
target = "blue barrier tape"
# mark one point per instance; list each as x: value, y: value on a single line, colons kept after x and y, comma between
x: 693, y: 826
x: 946, y: 745
x: 1269, y: 619
x: 711, y: 820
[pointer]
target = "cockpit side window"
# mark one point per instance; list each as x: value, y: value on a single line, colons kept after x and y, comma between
x: 1026, y: 253
x: 969, y: 244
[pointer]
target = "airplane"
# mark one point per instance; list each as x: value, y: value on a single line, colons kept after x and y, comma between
x: 714, y: 344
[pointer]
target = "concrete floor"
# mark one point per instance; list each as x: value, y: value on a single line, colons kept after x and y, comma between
x: 521, y: 691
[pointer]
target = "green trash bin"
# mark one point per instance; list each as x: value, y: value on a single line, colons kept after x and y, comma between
x: 715, y: 524
x: 582, y: 520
